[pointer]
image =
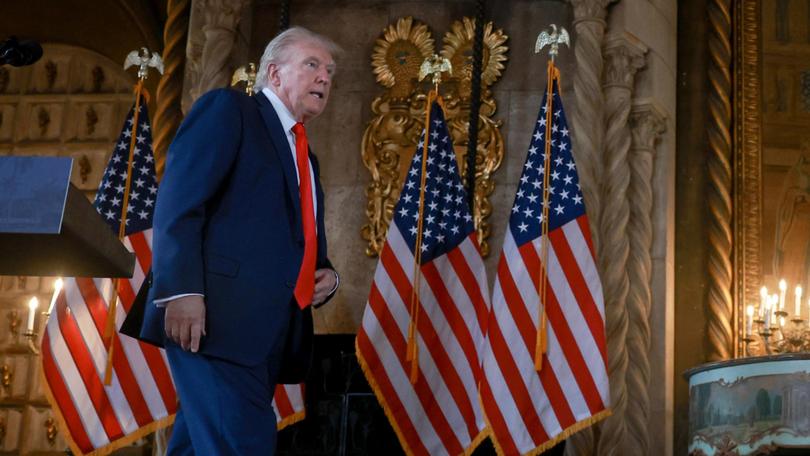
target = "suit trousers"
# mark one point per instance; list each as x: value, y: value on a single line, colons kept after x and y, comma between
x: 225, y: 408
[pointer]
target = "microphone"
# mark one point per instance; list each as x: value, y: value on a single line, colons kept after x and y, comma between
x: 19, y: 53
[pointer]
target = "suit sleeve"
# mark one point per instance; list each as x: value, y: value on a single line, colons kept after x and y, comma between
x: 199, y: 160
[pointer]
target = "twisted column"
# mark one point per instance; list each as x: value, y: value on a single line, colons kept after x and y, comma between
x: 647, y: 124
x: 170, y: 88
x: 623, y: 58
x: 720, y: 312
x: 588, y: 135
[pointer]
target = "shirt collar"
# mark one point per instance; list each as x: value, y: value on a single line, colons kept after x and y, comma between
x: 284, y: 115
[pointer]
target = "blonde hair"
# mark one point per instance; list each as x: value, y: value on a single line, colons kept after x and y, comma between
x: 277, y: 50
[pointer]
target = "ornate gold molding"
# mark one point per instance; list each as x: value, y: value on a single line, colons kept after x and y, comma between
x: 391, y: 136
x: 747, y: 160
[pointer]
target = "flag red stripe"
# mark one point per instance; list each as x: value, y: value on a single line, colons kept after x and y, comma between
x: 129, y: 385
x: 567, y: 341
x: 84, y: 364
x: 142, y: 251
x: 580, y: 289
x: 524, y: 323
x: 157, y: 365
x: 395, y: 406
x: 434, y: 345
x: 496, y: 420
x: 467, y: 277
x: 285, y: 408
x: 63, y: 398
x: 516, y: 384
x: 421, y: 388
x: 583, y: 223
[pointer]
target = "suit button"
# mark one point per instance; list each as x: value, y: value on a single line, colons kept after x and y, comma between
x: 290, y: 284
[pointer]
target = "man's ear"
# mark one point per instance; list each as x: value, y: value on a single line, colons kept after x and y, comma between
x: 272, y: 74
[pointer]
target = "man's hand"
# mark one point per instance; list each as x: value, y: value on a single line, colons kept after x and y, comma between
x: 325, y: 281
x: 185, y: 321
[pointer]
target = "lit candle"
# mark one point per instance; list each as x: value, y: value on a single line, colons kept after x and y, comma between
x: 57, y: 288
x: 749, y: 322
x: 763, y: 301
x: 798, y: 305
x: 774, y: 307
x: 768, y: 312
x: 32, y: 313
x: 782, y: 290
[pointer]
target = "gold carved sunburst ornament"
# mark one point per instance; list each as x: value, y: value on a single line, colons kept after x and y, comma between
x: 390, y: 138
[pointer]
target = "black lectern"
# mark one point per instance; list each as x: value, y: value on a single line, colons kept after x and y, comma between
x: 49, y: 228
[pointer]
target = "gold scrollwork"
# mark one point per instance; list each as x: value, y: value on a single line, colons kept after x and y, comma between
x: 391, y: 136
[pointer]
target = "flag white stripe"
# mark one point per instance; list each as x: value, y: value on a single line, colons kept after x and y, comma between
x: 74, y: 384
x: 98, y: 353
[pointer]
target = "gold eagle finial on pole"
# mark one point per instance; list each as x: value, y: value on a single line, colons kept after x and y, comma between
x: 144, y: 59
x: 554, y: 38
x: 247, y: 74
x: 435, y: 65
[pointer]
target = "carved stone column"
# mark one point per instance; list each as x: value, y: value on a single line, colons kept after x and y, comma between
x: 624, y: 56
x: 213, y: 32
x: 588, y: 135
x: 647, y: 124
x: 587, y: 120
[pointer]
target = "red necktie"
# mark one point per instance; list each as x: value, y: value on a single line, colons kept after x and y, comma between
x: 305, y: 286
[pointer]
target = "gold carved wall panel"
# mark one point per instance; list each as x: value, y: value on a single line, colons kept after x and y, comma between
x: 391, y: 136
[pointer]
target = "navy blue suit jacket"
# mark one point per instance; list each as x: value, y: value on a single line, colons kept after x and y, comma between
x: 228, y: 225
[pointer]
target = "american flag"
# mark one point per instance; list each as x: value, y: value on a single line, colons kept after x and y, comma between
x: 528, y: 410
x: 97, y: 418
x: 438, y: 414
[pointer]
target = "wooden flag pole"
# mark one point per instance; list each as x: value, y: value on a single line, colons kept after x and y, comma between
x: 143, y: 60
x: 554, y: 39
x: 434, y: 65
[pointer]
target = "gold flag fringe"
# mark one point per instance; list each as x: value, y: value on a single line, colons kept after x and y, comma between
x: 567, y: 432
x: 390, y: 415
x: 112, y: 446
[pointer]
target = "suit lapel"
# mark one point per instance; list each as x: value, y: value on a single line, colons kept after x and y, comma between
x: 282, y: 148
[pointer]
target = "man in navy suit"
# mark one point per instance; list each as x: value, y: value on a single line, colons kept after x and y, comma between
x: 240, y: 250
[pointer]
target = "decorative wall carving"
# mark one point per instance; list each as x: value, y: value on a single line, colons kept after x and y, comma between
x: 391, y: 136
x: 210, y: 69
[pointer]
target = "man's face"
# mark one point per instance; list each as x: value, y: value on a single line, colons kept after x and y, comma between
x: 303, y: 78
